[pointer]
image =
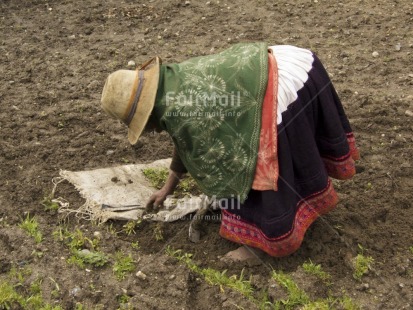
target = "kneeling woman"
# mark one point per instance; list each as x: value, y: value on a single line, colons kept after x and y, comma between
x: 259, y: 128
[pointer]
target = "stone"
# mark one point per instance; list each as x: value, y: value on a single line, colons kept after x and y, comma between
x: 409, y: 113
x: 141, y: 275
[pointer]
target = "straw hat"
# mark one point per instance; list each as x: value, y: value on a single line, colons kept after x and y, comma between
x: 129, y: 95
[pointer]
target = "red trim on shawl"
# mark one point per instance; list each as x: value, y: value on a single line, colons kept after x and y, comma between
x: 309, y: 209
x: 267, y: 170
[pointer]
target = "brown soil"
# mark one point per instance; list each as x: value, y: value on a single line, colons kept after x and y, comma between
x: 55, y: 58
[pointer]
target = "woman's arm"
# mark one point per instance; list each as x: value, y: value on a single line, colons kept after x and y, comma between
x: 176, y: 164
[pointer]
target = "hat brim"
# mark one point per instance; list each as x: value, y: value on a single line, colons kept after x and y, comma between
x: 146, y: 102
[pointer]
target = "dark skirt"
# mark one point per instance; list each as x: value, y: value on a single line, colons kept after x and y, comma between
x: 315, y: 141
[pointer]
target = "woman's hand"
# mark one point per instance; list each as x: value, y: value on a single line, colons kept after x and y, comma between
x: 157, y: 198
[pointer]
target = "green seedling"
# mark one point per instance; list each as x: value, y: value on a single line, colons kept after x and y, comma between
x: 123, y: 264
x: 76, y: 243
x: 311, y: 268
x: 75, y: 240
x: 19, y: 274
x: 187, y: 186
x: 135, y: 245
x: 362, y: 264
x: 123, y: 299
x: 38, y: 254
x: 56, y: 292
x: 263, y: 302
x: 8, y: 296
x: 157, y: 177
x: 129, y: 227
x: 31, y: 226
x: 112, y: 230
x: 11, y: 299
x: 411, y: 249
x: 158, y: 232
x: 348, y: 304
x: 84, y: 257
x: 212, y: 276
x: 79, y: 306
x: 49, y: 204
x: 296, y: 296
x: 215, y: 277
x: 317, y: 305
x: 369, y: 186
x: 35, y: 287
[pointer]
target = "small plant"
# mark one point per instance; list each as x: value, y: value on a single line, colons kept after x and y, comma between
x: 296, y: 296
x: 79, y: 306
x: 112, y: 230
x: 369, y: 186
x: 411, y: 249
x: 75, y: 240
x: 317, y: 305
x: 56, y: 292
x: 76, y: 243
x: 31, y: 226
x: 212, y: 276
x: 135, y: 245
x: 122, y: 265
x: 3, y: 222
x: 157, y: 177
x: 94, y: 258
x: 129, y: 227
x: 49, y: 204
x: 8, y: 296
x: 19, y: 274
x: 123, y: 299
x: 38, y: 254
x: 316, y: 270
x: 187, y: 185
x: 35, y: 287
x: 11, y: 299
x: 158, y: 232
x: 348, y: 304
x: 215, y: 277
x: 362, y: 264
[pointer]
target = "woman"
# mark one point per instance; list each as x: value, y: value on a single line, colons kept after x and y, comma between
x: 260, y: 129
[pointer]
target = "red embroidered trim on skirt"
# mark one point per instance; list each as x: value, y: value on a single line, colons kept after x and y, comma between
x: 354, y: 151
x: 343, y: 168
x: 309, y: 209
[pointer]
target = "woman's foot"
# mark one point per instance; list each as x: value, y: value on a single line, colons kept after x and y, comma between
x: 242, y: 254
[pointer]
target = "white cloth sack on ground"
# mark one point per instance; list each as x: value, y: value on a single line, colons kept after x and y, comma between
x: 122, y: 186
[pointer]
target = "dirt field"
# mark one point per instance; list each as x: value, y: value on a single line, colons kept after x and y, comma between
x: 55, y: 58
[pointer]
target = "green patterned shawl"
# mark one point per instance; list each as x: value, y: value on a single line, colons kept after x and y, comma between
x: 211, y: 106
